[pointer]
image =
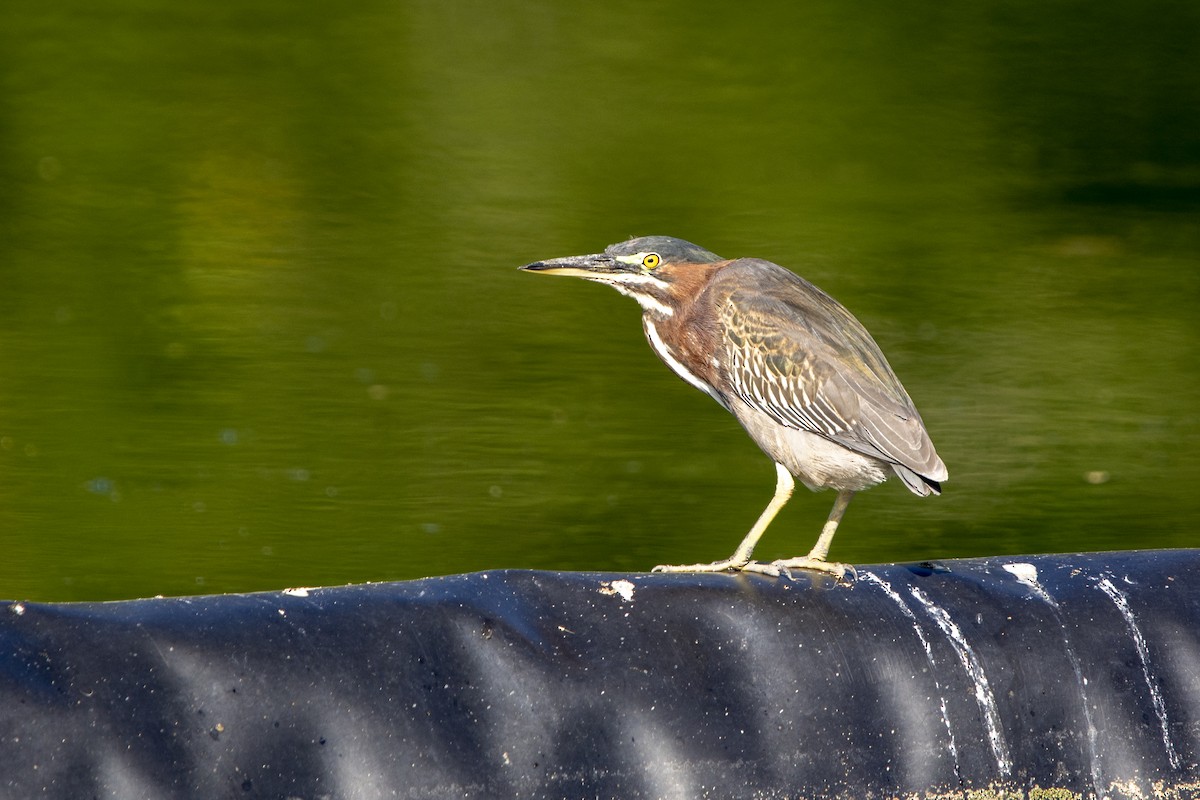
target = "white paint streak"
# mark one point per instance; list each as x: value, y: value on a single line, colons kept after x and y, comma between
x: 1027, y: 574
x: 983, y: 691
x: 895, y: 597
x: 1160, y: 707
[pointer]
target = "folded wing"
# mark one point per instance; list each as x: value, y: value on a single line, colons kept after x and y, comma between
x: 797, y: 355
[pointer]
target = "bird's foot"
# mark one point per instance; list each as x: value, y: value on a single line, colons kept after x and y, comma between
x: 774, y: 569
x: 839, y: 571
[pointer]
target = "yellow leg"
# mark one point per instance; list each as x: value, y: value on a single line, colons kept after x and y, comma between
x: 815, y: 560
x: 784, y: 485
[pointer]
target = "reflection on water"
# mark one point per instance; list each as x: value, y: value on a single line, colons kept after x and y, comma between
x: 261, y: 324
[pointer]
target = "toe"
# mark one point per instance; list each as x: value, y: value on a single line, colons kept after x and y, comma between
x: 817, y: 565
x: 771, y: 570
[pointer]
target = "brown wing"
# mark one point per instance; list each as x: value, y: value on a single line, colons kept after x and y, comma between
x: 797, y: 355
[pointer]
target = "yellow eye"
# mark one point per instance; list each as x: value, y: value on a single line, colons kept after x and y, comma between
x: 651, y: 260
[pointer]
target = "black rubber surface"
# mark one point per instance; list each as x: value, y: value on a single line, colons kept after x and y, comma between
x: 1044, y: 676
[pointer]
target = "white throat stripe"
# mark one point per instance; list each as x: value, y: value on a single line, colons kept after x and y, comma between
x: 647, y: 302
x: 663, y: 352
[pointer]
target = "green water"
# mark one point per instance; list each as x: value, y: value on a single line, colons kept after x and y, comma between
x: 261, y: 326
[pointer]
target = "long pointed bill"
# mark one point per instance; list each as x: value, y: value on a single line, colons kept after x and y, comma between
x: 594, y: 266
x: 624, y: 273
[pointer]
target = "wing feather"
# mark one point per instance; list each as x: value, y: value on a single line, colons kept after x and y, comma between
x: 797, y: 355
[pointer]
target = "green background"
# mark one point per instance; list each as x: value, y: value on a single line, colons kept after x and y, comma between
x: 261, y: 326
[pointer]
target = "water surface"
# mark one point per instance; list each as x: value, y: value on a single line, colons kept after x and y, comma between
x: 261, y: 326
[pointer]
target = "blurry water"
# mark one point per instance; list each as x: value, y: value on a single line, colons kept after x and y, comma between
x: 260, y: 323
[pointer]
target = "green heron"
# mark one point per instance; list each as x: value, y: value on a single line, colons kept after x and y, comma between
x: 797, y: 370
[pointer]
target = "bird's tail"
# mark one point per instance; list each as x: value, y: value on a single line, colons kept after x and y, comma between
x: 916, y: 483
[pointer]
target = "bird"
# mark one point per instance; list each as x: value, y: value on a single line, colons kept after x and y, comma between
x: 799, y: 372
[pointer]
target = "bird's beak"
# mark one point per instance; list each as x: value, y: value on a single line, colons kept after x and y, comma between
x: 590, y: 266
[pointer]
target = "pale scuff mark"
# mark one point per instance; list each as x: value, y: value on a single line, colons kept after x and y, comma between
x: 1025, y: 573
x: 622, y: 587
